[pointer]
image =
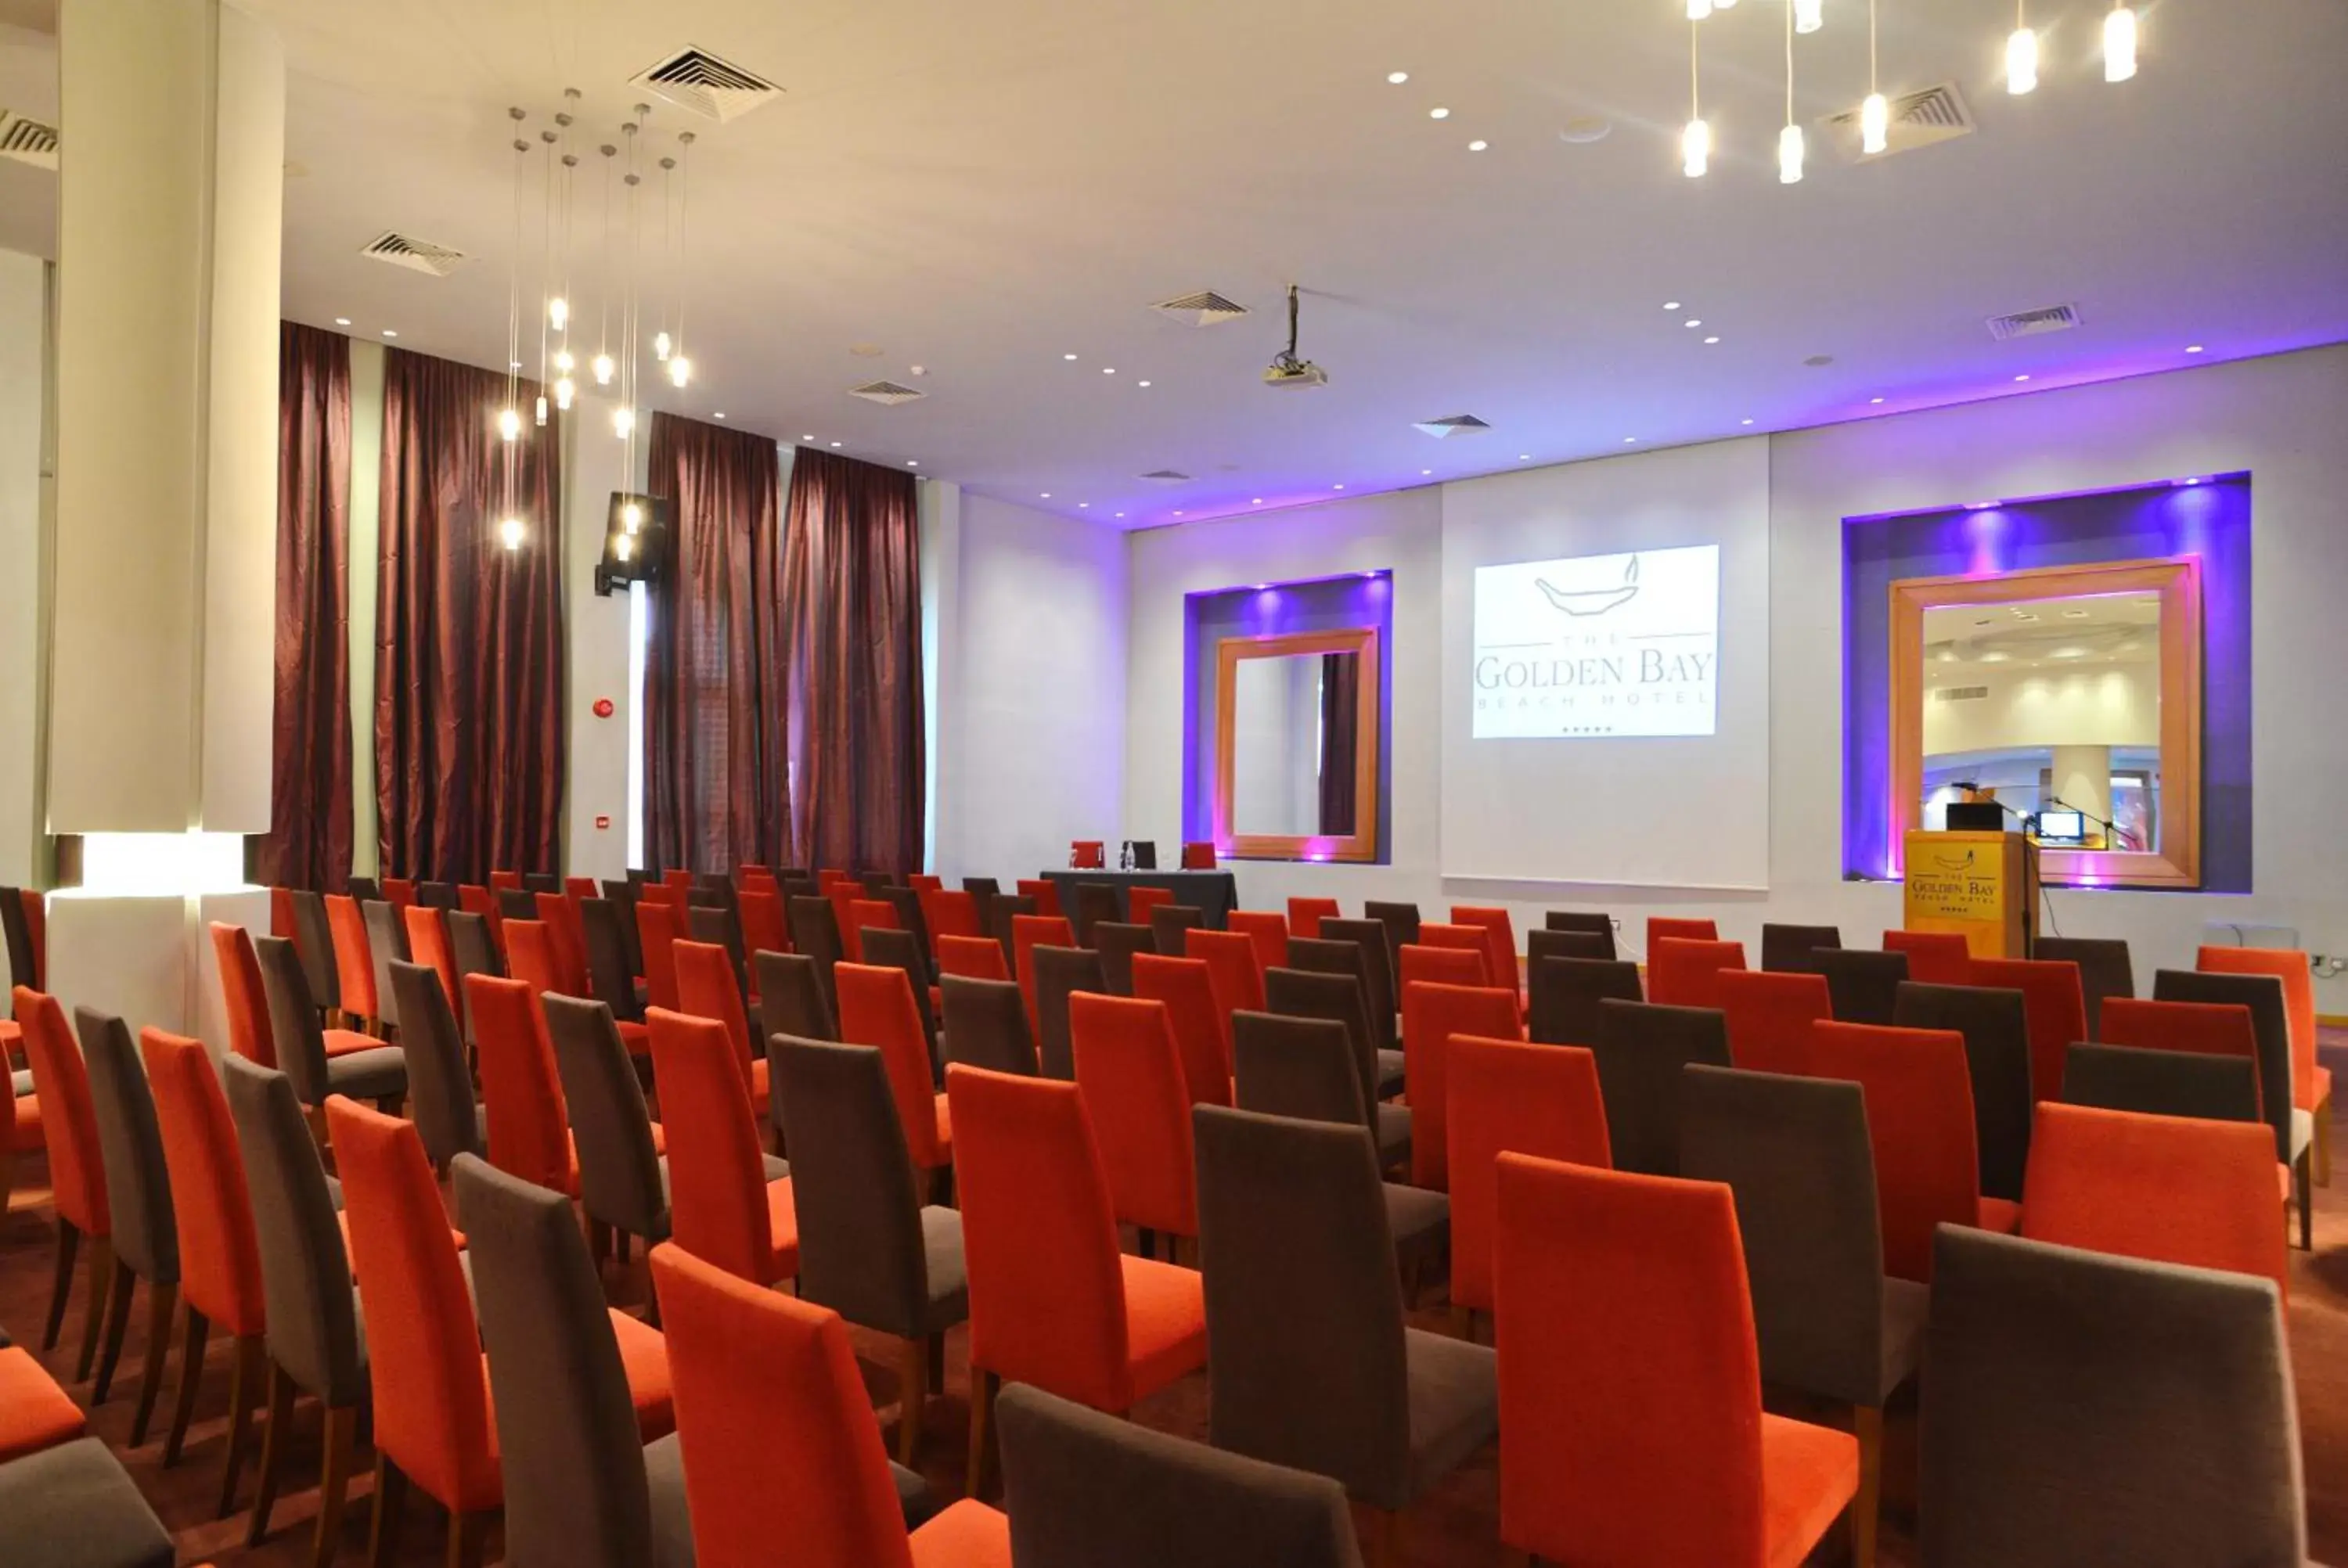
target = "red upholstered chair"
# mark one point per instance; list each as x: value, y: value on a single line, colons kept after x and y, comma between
x: 521, y: 1090
x: 577, y: 888
x: 680, y: 888
x: 2311, y: 1085
x: 76, y: 1172
x: 923, y: 882
x: 1682, y: 971
x: 1267, y: 931
x: 354, y: 963
x: 1770, y: 1015
x: 764, y: 928
x: 1230, y: 960
x: 2053, y: 1005
x: 1202, y: 1031
x: 1510, y: 1095
x: 433, y: 1426
x: 1135, y: 1093
x: 1053, y: 1301
x: 2210, y: 1029
x: 1029, y: 932
x: 1934, y: 957
x: 1198, y: 855
x: 722, y: 1207
x: 1045, y: 893
x: 475, y: 899
x: 1462, y: 939
x: 1501, y: 939
x: 656, y: 933
x: 427, y: 943
x: 35, y: 1413
x: 250, y: 1032
x: 1305, y: 915
x: 859, y: 914
x: 707, y: 988
x: 400, y: 892
x: 1088, y: 854
x: 973, y: 958
x: 569, y: 940
x: 950, y: 913
x: 531, y: 958
x: 877, y: 1007
x: 1631, y: 1422
x: 20, y: 1121
x: 1418, y: 961
x: 1140, y: 901
x: 2172, y: 1189
x: 783, y: 1458
x: 281, y: 912
x: 1920, y: 1119
x: 1432, y: 1017
x: 503, y: 879
x: 1664, y: 927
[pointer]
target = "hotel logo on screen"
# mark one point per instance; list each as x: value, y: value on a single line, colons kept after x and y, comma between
x: 1598, y: 645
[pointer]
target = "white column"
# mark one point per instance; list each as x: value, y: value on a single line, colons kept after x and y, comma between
x: 2083, y: 778
x: 940, y: 526
x: 24, y: 544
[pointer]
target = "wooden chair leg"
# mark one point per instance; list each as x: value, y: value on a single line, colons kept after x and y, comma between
x: 913, y: 1395
x: 69, y: 1244
x: 2306, y: 1190
x: 247, y: 1375
x: 101, y: 1281
x: 191, y: 1373
x: 2322, y: 1147
x: 274, y: 1437
x: 390, y: 1494
x: 162, y: 1304
x: 466, y: 1531
x: 1867, y: 1422
x: 335, y: 1480
x: 1386, y: 1538
x: 981, y: 1406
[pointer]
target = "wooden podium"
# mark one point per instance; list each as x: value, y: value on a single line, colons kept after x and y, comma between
x: 1982, y: 885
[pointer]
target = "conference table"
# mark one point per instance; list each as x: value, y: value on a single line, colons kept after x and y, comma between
x: 1214, y: 893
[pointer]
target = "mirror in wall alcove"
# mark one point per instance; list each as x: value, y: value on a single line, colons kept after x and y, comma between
x: 1297, y: 746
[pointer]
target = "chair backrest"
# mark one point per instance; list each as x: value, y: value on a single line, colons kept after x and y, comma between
x: 706, y: 988
x: 2170, y: 1189
x: 1862, y: 984
x: 1442, y: 937
x: 313, y: 938
x: 976, y: 958
x: 293, y: 1027
x: 1304, y: 993
x: 1095, y: 902
x: 2269, y: 1032
x: 473, y: 947
x: 423, y: 1354
x: 428, y: 942
x: 1793, y: 948
x: 517, y: 904
x: 2061, y: 1425
x: 1378, y: 962
x: 2055, y: 1006
x: 1500, y: 935
x: 1029, y: 932
x: 1130, y: 1073
x: 656, y: 934
x: 610, y: 1127
x: 1641, y: 1048
x: 1084, y: 1489
x: 2161, y: 1083
x: 1795, y: 1152
x: 1431, y: 963
x: 1060, y: 973
x: 1563, y: 1005
x: 1919, y: 1120
x: 572, y: 1459
x: 1510, y: 1094
x: 530, y: 956
x: 859, y: 1219
x: 1039, y: 1237
x: 1305, y: 915
x: 1268, y: 929
x: 220, y: 1259
x: 1298, y: 1067
x: 353, y: 968
x: 765, y: 928
x: 1198, y: 855
x: 1671, y: 927
x: 2106, y: 970
x: 386, y: 936
x: 1770, y: 1014
x: 529, y: 1123
x: 611, y: 979
x: 306, y: 1274
x: 911, y: 917
x: 1431, y: 1016
x: 876, y: 1009
x: 862, y: 915
x: 1169, y: 923
x: 1201, y: 1030
x: 1542, y: 943
x: 363, y: 889
x: 1595, y: 923
x: 61, y: 1081
x: 950, y: 913
x: 1332, y: 956
x: 1934, y: 957
x: 1046, y: 894
x: 400, y: 892
x: 986, y: 1025
x: 436, y: 895
x: 888, y: 948
x: 1400, y: 919
x: 1116, y: 942
x: 1683, y: 971
x: 2291, y: 966
x: 815, y: 931
x: 1304, y: 1314
x: 1002, y: 909
x: 1602, y: 1279
x: 439, y: 1082
x: 130, y: 1143
x: 1230, y: 960
x: 242, y: 1000
x: 1996, y: 1027
x: 560, y: 914
x: 717, y: 1183
x: 778, y: 1436
x: 791, y: 998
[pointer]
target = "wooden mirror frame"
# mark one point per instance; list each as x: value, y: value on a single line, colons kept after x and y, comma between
x: 2176, y: 861
x: 1360, y: 844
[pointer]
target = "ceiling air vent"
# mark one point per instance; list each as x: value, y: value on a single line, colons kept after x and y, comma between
x: 1959, y: 693
x: 1204, y: 308
x: 887, y: 393
x: 1918, y: 119
x: 28, y: 140
x: 1451, y: 425
x: 1166, y: 477
x: 698, y: 80
x: 415, y: 255
x: 2030, y: 323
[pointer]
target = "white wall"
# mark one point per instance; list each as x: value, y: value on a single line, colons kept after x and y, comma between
x: 2082, y: 705
x: 24, y: 486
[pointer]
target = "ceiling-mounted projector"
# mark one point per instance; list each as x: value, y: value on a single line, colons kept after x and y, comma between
x: 1286, y: 369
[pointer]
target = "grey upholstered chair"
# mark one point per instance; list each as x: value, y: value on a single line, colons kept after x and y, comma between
x: 1826, y: 1319
x: 901, y: 950
x: 436, y: 895
x: 791, y: 998
x: 74, y: 1506
x: 1095, y: 902
x: 2106, y: 969
x: 1342, y: 956
x: 1117, y: 941
x: 439, y: 1084
x: 1377, y: 965
x: 386, y: 940
x: 1309, y: 1359
x: 868, y: 1249
x: 907, y: 902
x: 578, y: 1483
x: 1563, y: 997
x: 2271, y: 1036
x: 1306, y: 993
x: 1168, y: 924
x: 1402, y: 923
x: 517, y: 904
x: 1597, y: 924
x: 540, y: 882
x: 473, y: 949
x: 313, y: 938
x: 2161, y: 1083
x: 378, y: 1074
x: 1060, y: 973
x: 1004, y: 909
x: 1862, y: 985
x: 623, y: 896
x: 1085, y: 1490
x: 363, y: 889
x: 1788, y: 949
x: 603, y: 929
x: 622, y: 1187
x: 815, y: 932
x: 986, y: 1025
x: 138, y: 1202
x: 313, y: 1339
x: 1643, y: 1050
x: 1309, y: 1068
x: 1996, y: 1027
x: 1548, y: 944
x: 2061, y: 1425
x: 717, y: 925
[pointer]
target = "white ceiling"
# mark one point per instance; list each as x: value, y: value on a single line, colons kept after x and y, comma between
x: 981, y: 189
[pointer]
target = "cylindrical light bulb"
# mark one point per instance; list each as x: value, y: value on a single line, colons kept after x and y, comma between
x: 1809, y: 16
x: 623, y: 422
x: 1724, y: 4
x: 2119, y: 44
x: 1789, y: 156
x: 603, y: 367
x: 623, y: 547
x: 631, y: 517
x: 564, y: 390
x: 680, y: 370
x: 1695, y: 148
x: 509, y: 533
x: 510, y: 423
x: 1875, y: 123
x: 660, y: 346
x: 2020, y: 61
x: 1699, y: 9
x: 563, y: 362
x: 558, y: 312
x: 541, y: 410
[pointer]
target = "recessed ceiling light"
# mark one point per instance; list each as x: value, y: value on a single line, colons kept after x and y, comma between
x: 719, y: 414
x: 1336, y: 486
x: 1438, y: 114
x: 835, y: 444
x: 1584, y: 128
x: 1178, y: 511
x: 1671, y: 304
x: 513, y: 365
x: 1257, y: 502
x: 1423, y: 472
x: 1748, y: 422
x: 1068, y: 357
x: 345, y: 321
x: 913, y: 462
x: 2022, y: 378
x: 1875, y: 400
x: 1047, y: 494
x: 1713, y: 339
x: 1627, y: 439
x: 389, y: 333
x: 1121, y: 513
x: 1693, y: 322
x: 1477, y: 146
x: 2075, y: 614
x: 806, y: 437
x: 1524, y: 457
x: 1108, y: 370
x: 2189, y: 348
x: 1084, y: 506
x: 1397, y: 77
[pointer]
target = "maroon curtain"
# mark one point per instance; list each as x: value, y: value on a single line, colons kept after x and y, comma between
x: 309, y: 839
x: 852, y: 642
x: 469, y: 634
x: 1341, y: 713
x: 716, y: 779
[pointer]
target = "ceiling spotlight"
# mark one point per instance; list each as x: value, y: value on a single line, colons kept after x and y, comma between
x: 2022, y: 378
x: 719, y: 414
x: 835, y: 444
x: 603, y: 367
x: 1524, y: 457
x: 342, y: 320
x: 2021, y: 59
x: 1627, y: 440
x: 389, y: 333
x: 1178, y: 511
x: 1746, y: 422
x: 1477, y: 146
x: 1071, y: 358
x: 1141, y: 383
x: 1121, y: 513
x: 1692, y: 322
x: 806, y: 437
x: 1712, y: 340
x: 1045, y: 494
x: 2192, y: 348
x: 1084, y: 506
x: 1398, y: 78
x: 1257, y: 502
x: 1423, y: 472
x: 1671, y: 304
x: 1438, y: 114
x: 2120, y: 43
x: 513, y: 365
x: 1108, y: 370
x: 1875, y: 400
x: 913, y: 462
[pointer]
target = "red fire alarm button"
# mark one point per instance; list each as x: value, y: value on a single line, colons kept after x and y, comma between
x: 602, y: 824
x: 602, y: 707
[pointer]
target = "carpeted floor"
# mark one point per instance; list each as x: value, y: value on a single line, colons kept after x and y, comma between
x: 1451, y: 1529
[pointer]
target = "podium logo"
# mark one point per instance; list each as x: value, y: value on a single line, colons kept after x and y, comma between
x: 1598, y: 646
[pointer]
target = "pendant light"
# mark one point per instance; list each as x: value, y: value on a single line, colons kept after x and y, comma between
x: 680, y: 367
x: 2120, y: 43
x: 662, y: 342
x: 545, y: 270
x: 624, y: 416
x: 1695, y: 141
x: 1789, y: 140
x: 602, y: 364
x: 1875, y: 114
x: 510, y: 416
x: 1809, y: 16
x: 2021, y: 54
x: 558, y: 309
x: 1697, y: 10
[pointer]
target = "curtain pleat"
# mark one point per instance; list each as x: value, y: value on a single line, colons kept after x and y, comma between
x: 1341, y: 713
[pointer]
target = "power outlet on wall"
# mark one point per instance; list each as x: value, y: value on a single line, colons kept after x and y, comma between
x: 2325, y: 966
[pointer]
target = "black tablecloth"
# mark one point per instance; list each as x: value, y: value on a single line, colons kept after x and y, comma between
x: 1214, y: 893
